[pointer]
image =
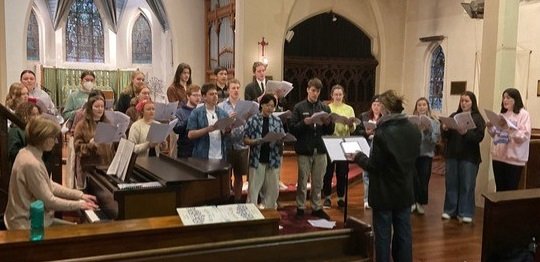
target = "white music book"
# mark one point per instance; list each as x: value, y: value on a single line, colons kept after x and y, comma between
x: 159, y: 132
x: 461, y: 120
x: 337, y: 147
x: 283, y: 115
x: 224, y: 123
x: 499, y: 121
x: 164, y: 112
x: 118, y: 119
x: 245, y: 109
x: 120, y: 163
x: 107, y: 133
x: 280, y: 88
x: 218, y: 214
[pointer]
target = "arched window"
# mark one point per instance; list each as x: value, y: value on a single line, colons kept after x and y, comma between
x: 32, y: 38
x: 84, y: 33
x: 436, y: 79
x: 141, y: 41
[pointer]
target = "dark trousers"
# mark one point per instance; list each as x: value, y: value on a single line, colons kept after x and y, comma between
x: 342, y: 170
x: 421, y: 179
x: 507, y: 176
x: 398, y: 222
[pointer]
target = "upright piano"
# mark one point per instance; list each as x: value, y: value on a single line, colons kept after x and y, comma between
x: 183, y: 183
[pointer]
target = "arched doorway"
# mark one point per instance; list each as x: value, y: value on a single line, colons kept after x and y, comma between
x: 330, y: 47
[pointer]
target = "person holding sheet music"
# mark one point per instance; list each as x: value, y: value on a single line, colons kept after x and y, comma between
x: 139, y: 130
x: 265, y: 157
x: 130, y: 92
x: 391, y: 166
x: 181, y: 82
x: 77, y: 98
x: 310, y: 148
x: 341, y: 130
x: 510, y: 149
x: 237, y: 151
x: 255, y: 89
x: 209, y: 141
x: 30, y: 180
x: 89, y: 154
x: 430, y: 136
x: 184, y: 144
x: 462, y: 161
x: 369, y: 121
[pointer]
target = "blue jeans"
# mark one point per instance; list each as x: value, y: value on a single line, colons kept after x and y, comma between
x: 365, y: 177
x: 400, y: 221
x: 460, y: 184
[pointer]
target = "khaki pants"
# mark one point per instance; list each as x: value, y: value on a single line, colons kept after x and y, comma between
x: 265, y: 179
x: 314, y: 166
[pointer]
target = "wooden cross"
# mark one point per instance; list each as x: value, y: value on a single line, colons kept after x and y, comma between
x: 263, y: 44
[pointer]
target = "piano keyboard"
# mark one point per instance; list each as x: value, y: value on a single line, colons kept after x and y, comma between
x: 94, y: 216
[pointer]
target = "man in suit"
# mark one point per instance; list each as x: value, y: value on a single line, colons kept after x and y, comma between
x: 256, y: 88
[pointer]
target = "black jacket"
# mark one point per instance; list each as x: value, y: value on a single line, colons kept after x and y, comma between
x: 466, y: 147
x: 391, y: 164
x: 252, y: 91
x: 309, y: 137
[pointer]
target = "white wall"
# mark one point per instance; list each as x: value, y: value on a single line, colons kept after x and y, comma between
x: 462, y: 41
x: 382, y: 20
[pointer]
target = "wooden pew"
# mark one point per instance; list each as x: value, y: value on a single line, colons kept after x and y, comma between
x: 354, y: 243
x: 63, y: 242
x: 511, y: 220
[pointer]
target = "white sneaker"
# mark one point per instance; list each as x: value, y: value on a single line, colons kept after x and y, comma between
x: 420, y: 209
x: 366, y: 205
x: 413, y: 207
x: 445, y: 216
x: 466, y: 220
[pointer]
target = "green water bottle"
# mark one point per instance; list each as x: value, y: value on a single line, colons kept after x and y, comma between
x: 36, y: 220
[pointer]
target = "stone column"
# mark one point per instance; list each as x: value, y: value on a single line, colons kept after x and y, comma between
x: 497, y: 72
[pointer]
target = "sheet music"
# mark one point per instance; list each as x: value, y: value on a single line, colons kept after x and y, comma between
x: 218, y: 214
x: 245, y: 109
x: 280, y: 88
x: 240, y: 212
x: 350, y: 147
x: 463, y: 119
x: 369, y: 125
x: 335, y: 150
x: 319, y: 117
x: 344, y: 120
x: 164, y: 112
x: 120, y: 162
x: 289, y: 138
x: 106, y: 133
x: 497, y: 120
x: 283, y: 115
x: 159, y: 132
x: 421, y: 120
x: 273, y: 137
x: 224, y: 123
x: 200, y: 215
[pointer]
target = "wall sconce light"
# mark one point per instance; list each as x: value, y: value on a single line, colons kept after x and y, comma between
x: 263, y: 58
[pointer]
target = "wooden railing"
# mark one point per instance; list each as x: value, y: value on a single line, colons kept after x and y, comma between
x: 55, y: 160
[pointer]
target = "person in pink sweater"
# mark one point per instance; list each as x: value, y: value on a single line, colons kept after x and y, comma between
x: 510, y: 149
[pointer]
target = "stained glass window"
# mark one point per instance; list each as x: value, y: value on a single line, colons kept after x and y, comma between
x: 141, y: 41
x: 32, y: 38
x: 84, y: 33
x: 436, y: 79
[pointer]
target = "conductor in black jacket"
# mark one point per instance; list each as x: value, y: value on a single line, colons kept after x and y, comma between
x: 310, y: 148
x: 391, y: 167
x: 256, y: 88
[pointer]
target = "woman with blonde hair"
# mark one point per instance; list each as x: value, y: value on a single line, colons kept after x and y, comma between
x: 431, y: 133
x: 18, y: 94
x: 30, y: 180
x: 131, y: 91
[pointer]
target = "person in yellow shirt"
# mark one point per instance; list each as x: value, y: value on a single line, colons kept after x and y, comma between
x: 340, y: 167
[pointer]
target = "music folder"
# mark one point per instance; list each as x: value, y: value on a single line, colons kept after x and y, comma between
x: 337, y: 147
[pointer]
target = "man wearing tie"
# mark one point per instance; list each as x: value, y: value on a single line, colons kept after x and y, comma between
x: 256, y: 88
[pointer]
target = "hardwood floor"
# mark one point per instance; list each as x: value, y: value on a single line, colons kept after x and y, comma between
x: 434, y: 239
